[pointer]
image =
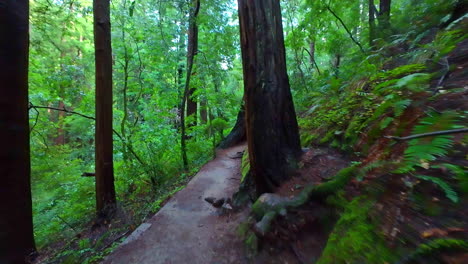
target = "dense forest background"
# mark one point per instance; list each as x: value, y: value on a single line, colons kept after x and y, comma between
x: 352, y: 65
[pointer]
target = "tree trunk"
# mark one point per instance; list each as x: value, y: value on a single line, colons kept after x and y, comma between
x: 105, y: 192
x: 16, y: 226
x: 271, y: 125
x: 191, y: 51
x: 192, y: 107
x: 238, y: 133
x: 384, y: 17
x: 203, y: 110
x: 372, y: 25
x: 60, y: 139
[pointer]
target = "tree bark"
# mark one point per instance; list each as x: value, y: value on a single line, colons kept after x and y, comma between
x: 191, y: 52
x: 384, y: 17
x: 372, y: 25
x: 238, y: 133
x: 105, y: 191
x: 271, y: 125
x: 203, y: 110
x: 192, y: 107
x: 16, y: 226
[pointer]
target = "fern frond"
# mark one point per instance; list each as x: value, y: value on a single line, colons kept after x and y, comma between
x: 400, y: 106
x: 449, y: 192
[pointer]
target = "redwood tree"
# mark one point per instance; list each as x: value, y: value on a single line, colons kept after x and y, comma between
x: 16, y: 227
x: 271, y: 125
x: 105, y: 191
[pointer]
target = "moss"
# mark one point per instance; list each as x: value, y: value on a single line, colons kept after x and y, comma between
x: 251, y: 244
x: 267, y: 203
x: 330, y: 134
x: 435, y: 247
x: 354, y: 238
x: 245, y: 165
x: 268, y: 206
x: 307, y: 138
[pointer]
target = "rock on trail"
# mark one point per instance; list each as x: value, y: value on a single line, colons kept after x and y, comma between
x: 188, y: 229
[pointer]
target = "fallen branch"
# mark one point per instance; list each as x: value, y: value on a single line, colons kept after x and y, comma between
x: 430, y: 134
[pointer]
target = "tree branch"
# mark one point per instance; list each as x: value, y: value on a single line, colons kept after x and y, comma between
x: 31, y: 106
x: 346, y: 28
x: 430, y: 134
x: 127, y: 145
x: 313, y: 59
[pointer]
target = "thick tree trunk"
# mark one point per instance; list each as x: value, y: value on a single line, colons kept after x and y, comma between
x: 238, y: 132
x: 271, y: 125
x: 191, y: 52
x: 16, y: 227
x: 105, y: 192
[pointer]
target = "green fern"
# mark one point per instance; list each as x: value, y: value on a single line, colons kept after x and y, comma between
x: 401, y: 106
x: 460, y: 173
x: 449, y: 192
x: 421, y: 151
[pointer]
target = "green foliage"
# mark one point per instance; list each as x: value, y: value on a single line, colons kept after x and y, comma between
x: 449, y: 192
x: 422, y: 151
x: 355, y: 238
x: 435, y: 247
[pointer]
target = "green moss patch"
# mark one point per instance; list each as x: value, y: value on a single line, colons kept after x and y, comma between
x: 355, y: 239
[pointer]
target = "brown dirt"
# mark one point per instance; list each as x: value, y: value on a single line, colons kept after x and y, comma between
x: 316, y: 165
x: 188, y: 229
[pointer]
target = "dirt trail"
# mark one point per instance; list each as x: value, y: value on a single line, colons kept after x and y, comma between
x: 188, y: 229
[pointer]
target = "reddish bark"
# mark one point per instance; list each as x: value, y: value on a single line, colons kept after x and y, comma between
x: 105, y: 191
x: 271, y: 125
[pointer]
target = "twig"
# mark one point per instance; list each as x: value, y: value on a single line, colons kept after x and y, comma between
x: 115, y: 239
x: 346, y: 28
x: 35, y: 122
x: 31, y: 106
x: 430, y: 134
x: 130, y: 148
x: 313, y: 59
x: 442, y: 79
x: 66, y: 223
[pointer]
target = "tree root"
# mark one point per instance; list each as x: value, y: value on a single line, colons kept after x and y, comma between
x: 269, y: 205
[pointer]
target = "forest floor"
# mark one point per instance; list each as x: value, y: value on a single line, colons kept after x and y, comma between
x: 188, y: 229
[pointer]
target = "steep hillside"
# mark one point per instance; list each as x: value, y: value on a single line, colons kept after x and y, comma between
x: 401, y: 116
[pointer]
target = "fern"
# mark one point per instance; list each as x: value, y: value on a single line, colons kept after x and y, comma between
x: 401, y: 106
x: 387, y: 121
x: 449, y: 192
x: 460, y: 173
x: 415, y: 82
x: 421, y: 151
